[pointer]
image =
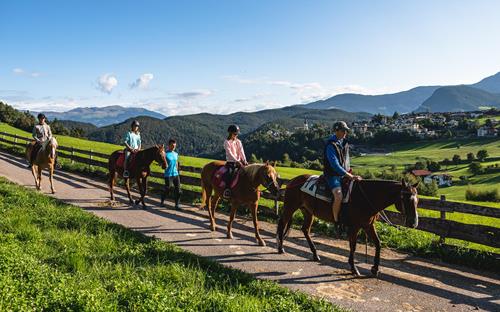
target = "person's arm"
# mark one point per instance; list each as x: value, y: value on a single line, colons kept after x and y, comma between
x: 331, y: 155
x: 242, y: 153
x: 229, y: 150
x: 126, y: 142
x: 49, y: 132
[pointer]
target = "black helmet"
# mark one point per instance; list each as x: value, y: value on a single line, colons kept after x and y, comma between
x: 41, y: 116
x: 233, y: 129
x: 135, y: 123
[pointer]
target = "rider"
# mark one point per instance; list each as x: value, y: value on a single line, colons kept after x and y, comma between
x: 171, y: 174
x: 41, y: 133
x: 132, y: 145
x: 336, y: 165
x: 235, y: 156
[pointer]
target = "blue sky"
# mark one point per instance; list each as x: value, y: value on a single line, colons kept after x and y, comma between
x: 223, y: 56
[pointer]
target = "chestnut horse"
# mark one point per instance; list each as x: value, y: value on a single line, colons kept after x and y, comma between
x: 368, y: 198
x: 139, y: 170
x: 245, y: 192
x: 45, y: 158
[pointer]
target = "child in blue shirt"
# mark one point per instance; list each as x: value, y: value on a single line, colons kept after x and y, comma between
x: 132, y: 145
x: 171, y: 175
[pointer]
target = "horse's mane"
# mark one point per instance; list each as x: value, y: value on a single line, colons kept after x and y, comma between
x: 252, y: 170
x: 46, y: 143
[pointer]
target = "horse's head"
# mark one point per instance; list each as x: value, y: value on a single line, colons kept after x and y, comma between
x: 269, y: 178
x: 160, y: 156
x: 51, y: 147
x: 408, y: 203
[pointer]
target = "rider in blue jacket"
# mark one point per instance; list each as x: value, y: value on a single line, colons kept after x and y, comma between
x: 336, y: 164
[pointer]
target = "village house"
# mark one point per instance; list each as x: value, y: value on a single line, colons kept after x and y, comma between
x: 442, y: 179
x: 487, y: 132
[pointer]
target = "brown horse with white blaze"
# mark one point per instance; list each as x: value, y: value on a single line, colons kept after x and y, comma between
x: 244, y: 193
x: 45, y: 158
x: 139, y: 170
x: 368, y: 198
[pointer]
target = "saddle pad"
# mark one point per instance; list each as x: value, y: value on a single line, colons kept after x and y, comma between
x: 218, y: 178
x: 317, y: 187
x: 120, y: 161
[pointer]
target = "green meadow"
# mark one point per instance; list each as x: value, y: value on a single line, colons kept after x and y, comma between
x: 57, y: 257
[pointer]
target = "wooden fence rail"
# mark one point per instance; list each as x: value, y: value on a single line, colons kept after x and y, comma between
x: 442, y: 227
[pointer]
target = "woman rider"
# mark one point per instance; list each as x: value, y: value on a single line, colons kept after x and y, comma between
x: 41, y: 133
x: 336, y: 165
x: 132, y: 145
x: 235, y: 156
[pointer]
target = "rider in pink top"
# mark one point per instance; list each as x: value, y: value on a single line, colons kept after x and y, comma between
x: 235, y: 156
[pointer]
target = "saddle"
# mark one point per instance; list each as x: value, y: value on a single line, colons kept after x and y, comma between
x: 218, y: 178
x: 317, y: 187
x: 120, y: 161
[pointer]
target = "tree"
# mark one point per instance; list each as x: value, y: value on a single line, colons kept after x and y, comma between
x: 470, y: 157
x: 395, y: 116
x: 420, y: 165
x: 475, y: 168
x: 285, y: 158
x: 456, y: 159
x: 253, y: 159
x: 433, y: 166
x: 482, y: 155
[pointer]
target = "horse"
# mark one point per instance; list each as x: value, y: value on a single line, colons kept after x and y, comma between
x: 368, y: 198
x: 45, y: 158
x: 244, y: 192
x: 138, y: 169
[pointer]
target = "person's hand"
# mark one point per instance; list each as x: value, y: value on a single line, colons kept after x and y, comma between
x: 357, y: 178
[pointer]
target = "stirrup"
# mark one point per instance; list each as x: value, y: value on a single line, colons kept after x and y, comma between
x: 126, y: 174
x: 227, y: 193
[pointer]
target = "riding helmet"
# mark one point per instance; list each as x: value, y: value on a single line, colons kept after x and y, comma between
x: 135, y: 123
x: 40, y: 116
x: 233, y: 129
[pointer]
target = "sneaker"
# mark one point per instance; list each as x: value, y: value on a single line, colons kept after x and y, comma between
x: 126, y: 174
x: 58, y: 166
x: 227, y: 193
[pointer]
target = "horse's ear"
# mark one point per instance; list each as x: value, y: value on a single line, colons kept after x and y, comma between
x: 273, y: 164
x: 416, y: 184
x: 266, y: 163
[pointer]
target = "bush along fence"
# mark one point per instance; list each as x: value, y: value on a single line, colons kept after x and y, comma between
x: 444, y: 228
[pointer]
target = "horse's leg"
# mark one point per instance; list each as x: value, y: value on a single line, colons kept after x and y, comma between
x: 35, y: 176
x: 260, y: 241
x: 127, y: 186
x: 290, y: 205
x: 51, y: 176
x: 39, y: 174
x: 372, y: 233
x: 353, y: 237
x: 112, y: 177
x: 141, y: 191
x: 144, y: 189
x: 234, y: 207
x: 215, y: 201
x: 306, y: 229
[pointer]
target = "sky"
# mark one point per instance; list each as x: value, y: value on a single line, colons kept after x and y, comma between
x: 184, y: 57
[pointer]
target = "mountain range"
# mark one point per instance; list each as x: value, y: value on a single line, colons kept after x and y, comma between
x: 102, y: 116
x: 424, y: 98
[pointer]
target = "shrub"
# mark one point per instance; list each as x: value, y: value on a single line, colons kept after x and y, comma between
x: 482, y: 155
x: 475, y: 168
x: 482, y: 195
x: 470, y: 157
x: 429, y: 189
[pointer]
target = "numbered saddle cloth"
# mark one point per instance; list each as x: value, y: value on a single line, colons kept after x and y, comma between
x: 317, y: 187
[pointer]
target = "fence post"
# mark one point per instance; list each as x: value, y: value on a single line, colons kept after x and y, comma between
x: 15, y: 138
x: 443, y: 217
x: 90, y: 162
x: 72, y: 154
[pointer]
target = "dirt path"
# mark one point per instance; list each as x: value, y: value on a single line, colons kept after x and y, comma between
x: 406, y: 283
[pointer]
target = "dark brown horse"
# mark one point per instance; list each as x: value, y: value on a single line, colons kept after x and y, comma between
x: 368, y: 198
x: 244, y: 193
x: 138, y: 169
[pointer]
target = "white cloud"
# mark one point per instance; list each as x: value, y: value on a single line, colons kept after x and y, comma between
x: 106, y: 83
x: 191, y: 95
x: 142, y: 82
x: 21, y: 72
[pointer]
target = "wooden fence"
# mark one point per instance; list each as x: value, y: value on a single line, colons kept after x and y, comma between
x: 444, y: 228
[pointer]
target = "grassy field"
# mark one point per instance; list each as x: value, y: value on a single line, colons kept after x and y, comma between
x: 56, y: 257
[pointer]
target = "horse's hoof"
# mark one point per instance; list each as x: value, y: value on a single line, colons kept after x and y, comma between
x: 53, y: 191
x: 212, y: 228
x: 281, y: 250
x: 316, y: 258
x: 261, y: 243
x: 230, y: 235
x: 374, y: 271
x: 137, y: 202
